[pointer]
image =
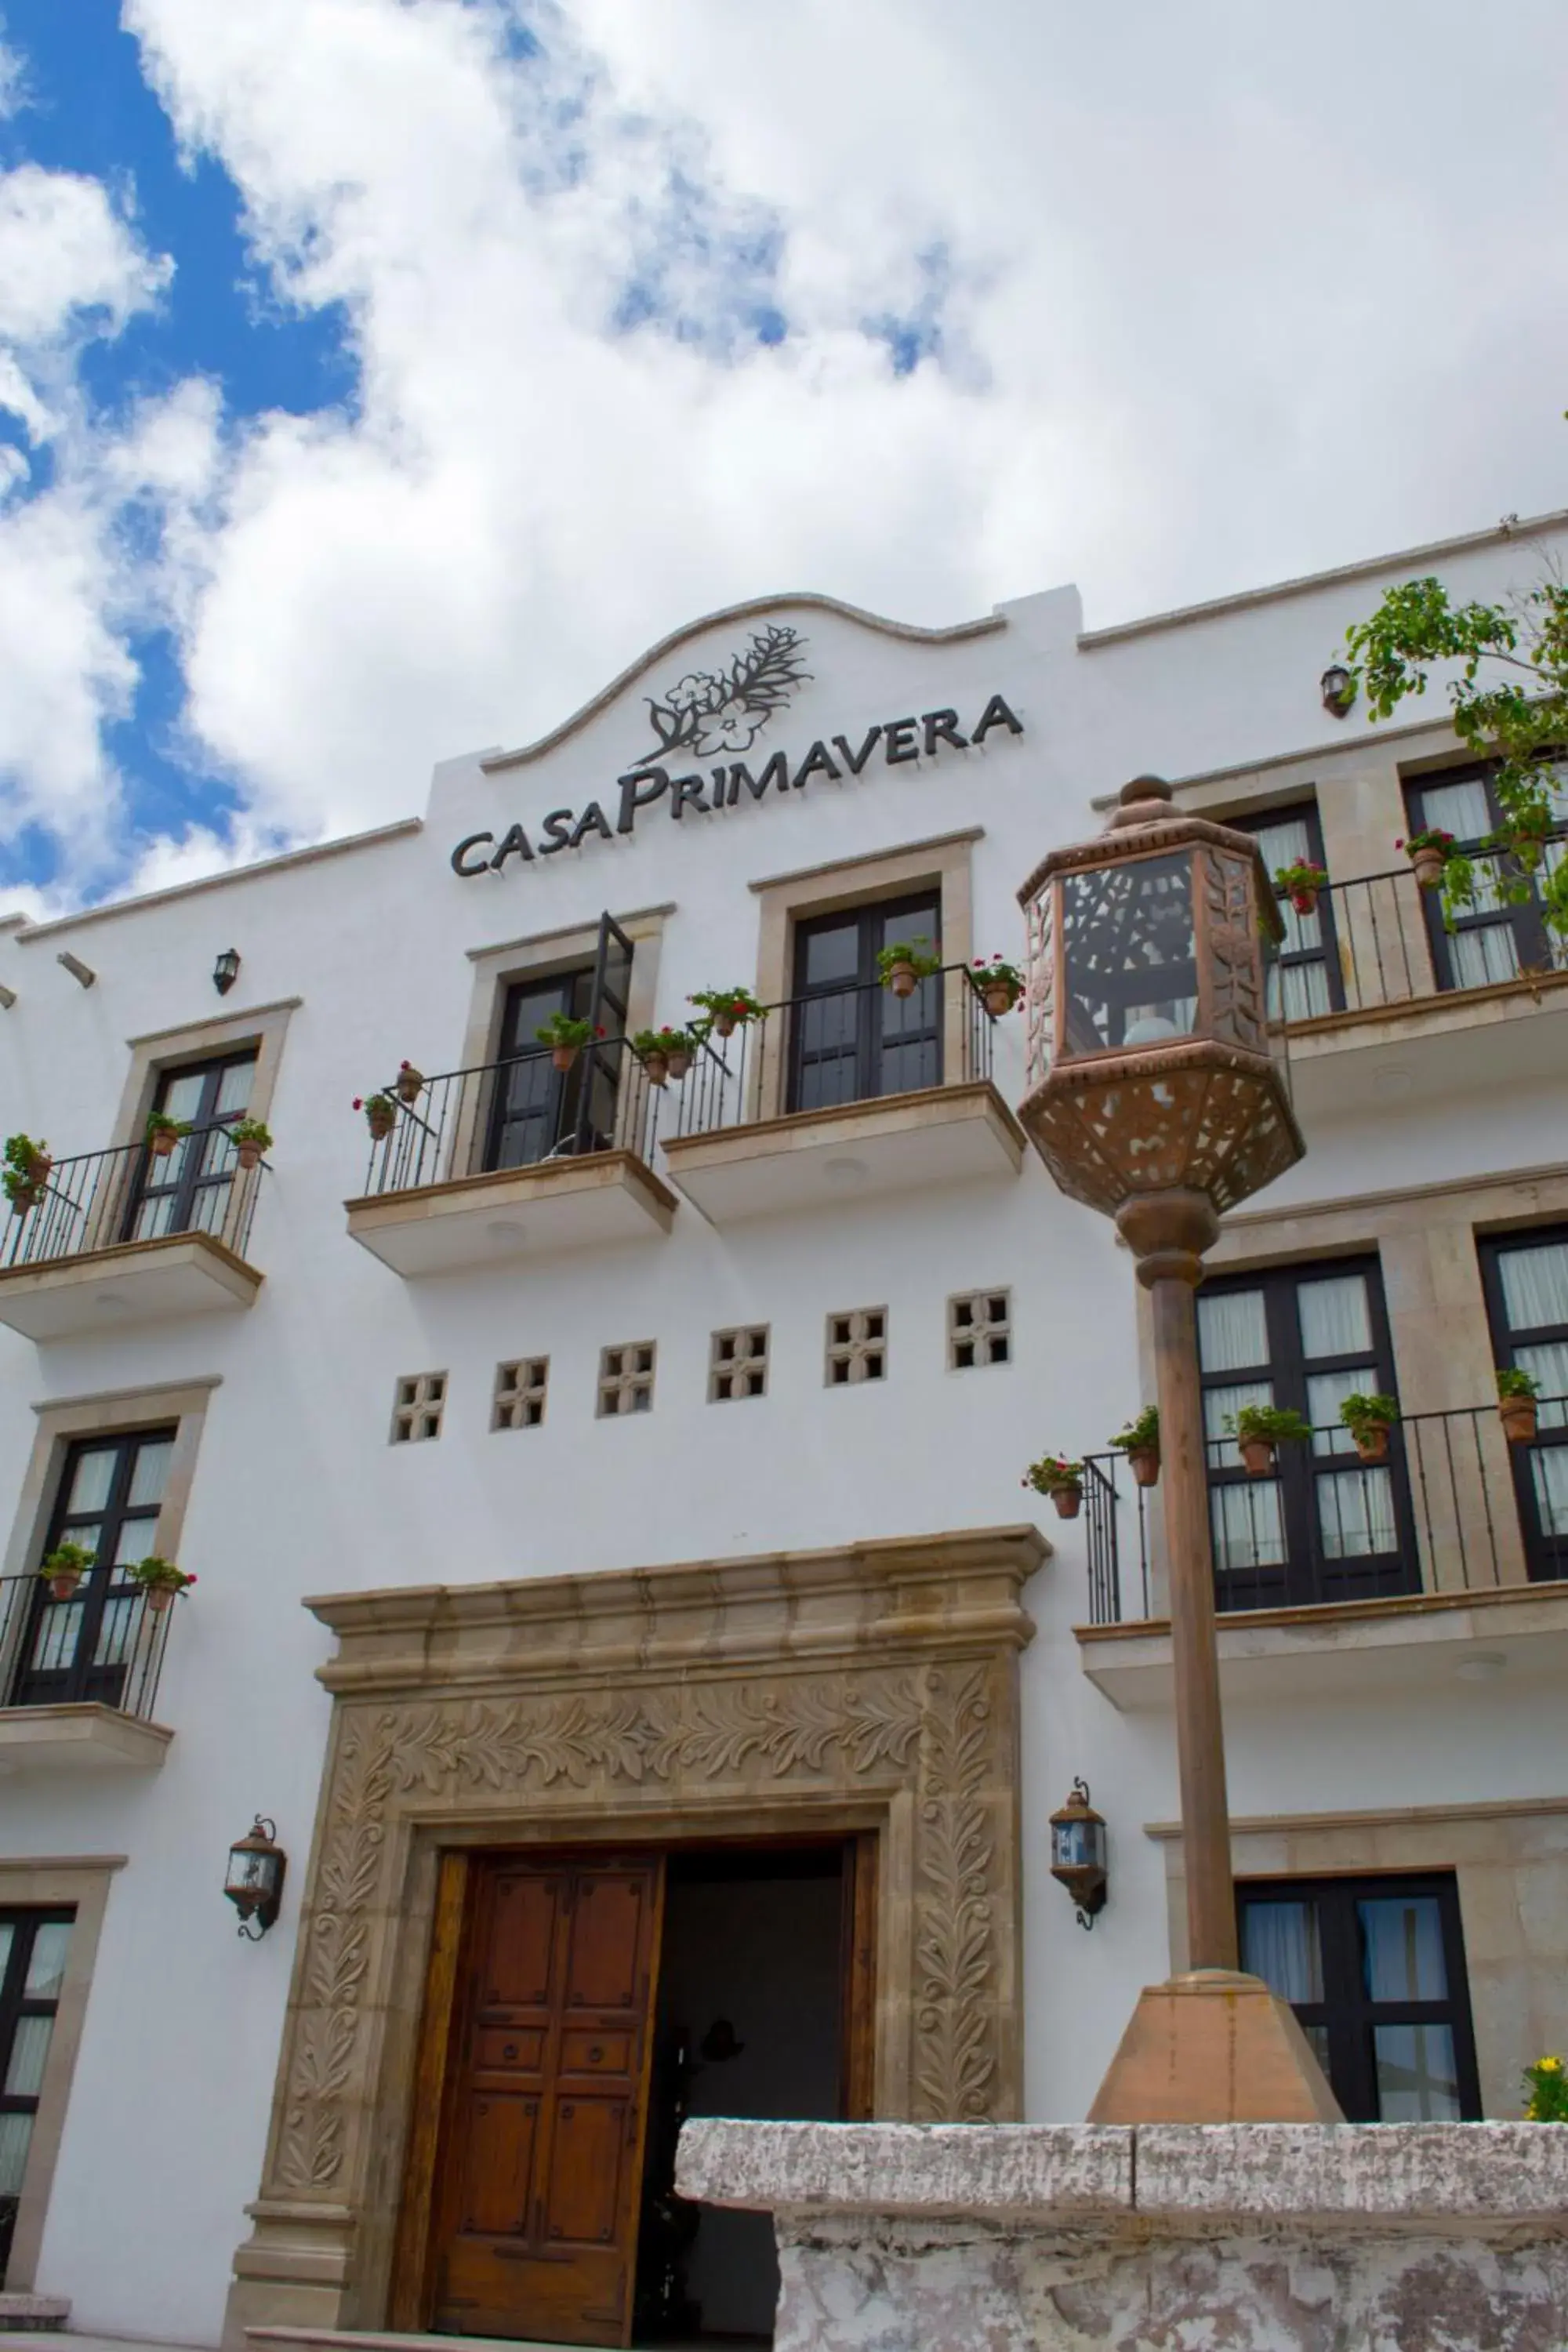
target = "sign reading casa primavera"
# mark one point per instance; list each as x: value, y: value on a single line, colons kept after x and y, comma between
x: 712, y: 713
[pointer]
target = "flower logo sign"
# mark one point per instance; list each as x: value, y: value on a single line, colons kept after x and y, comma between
x: 712, y: 712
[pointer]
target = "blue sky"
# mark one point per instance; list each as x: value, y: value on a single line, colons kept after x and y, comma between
x: 379, y: 376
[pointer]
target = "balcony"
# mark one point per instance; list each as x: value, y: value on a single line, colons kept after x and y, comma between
x: 81, y: 1678
x: 847, y: 1092
x: 1371, y: 984
x: 514, y: 1160
x: 1449, y: 1560
x: 118, y: 1238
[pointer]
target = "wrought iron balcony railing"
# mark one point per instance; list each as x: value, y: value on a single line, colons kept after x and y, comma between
x: 105, y: 1644
x: 1455, y: 1508
x: 98, y: 1199
x: 519, y: 1113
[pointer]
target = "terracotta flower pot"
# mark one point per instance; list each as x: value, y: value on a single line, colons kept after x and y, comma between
x: 1144, y: 1463
x: 24, y: 1198
x: 1428, y: 864
x: 1517, y: 1415
x: 657, y: 1067
x: 1068, y: 1501
x: 679, y: 1063
x: 562, y: 1057
x: 724, y: 1024
x: 999, y: 999
x: 381, y: 1124
x: 1304, y: 901
x: 63, y: 1586
x: 248, y: 1153
x: 901, y: 980
x: 158, y: 1597
x: 1257, y: 1454
x: 409, y: 1084
x: 1371, y: 1442
x: 161, y: 1141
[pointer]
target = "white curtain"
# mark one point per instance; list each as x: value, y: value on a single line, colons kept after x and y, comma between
x: 1335, y: 1317
x: 1356, y: 1514
x: 1247, y: 1529
x: 1459, y: 809
x: 1233, y: 1331
x: 1549, y: 1469
x: 1220, y: 1404
x: 1402, y: 1947
x: 1280, y: 1944
x: 1484, y: 954
x: 1535, y: 1285
x: 1297, y: 992
x: 1548, y: 1363
x: 1326, y: 1392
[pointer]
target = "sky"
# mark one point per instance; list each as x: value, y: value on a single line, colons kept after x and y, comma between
x: 378, y: 378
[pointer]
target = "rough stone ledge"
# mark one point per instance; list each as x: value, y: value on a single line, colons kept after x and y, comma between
x: 1440, y: 2179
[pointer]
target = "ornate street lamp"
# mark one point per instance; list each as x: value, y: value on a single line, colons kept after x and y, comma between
x: 254, y: 1880
x: 1078, y: 1853
x: 1154, y: 1098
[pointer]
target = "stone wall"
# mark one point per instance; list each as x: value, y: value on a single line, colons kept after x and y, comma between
x: 1171, y: 2238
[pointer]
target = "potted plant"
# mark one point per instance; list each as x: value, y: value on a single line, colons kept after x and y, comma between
x: 728, y: 1009
x: 1369, y: 1420
x: 1516, y: 1393
x: 160, y: 1579
x: 250, y: 1138
x: 410, y: 1082
x: 1140, y: 1441
x: 565, y: 1039
x: 1062, y: 1480
x: 903, y: 967
x: 1000, y: 984
x: 1429, y: 854
x: 164, y: 1132
x: 65, y: 1567
x: 1547, y: 2084
x: 1257, y: 1428
x: 380, y: 1114
x: 663, y: 1053
x: 1301, y: 883
x: 27, y: 1166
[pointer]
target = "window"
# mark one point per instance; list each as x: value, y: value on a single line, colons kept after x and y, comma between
x: 625, y: 1379
x: 738, y: 1364
x: 1323, y: 1528
x: 31, y: 1969
x: 1374, y: 1969
x: 979, y: 1329
x: 1492, y: 941
x: 519, y: 1400
x: 536, y: 1112
x: 1526, y: 1281
x: 189, y: 1192
x: 850, y: 1038
x: 89, y: 1647
x: 857, y: 1347
x: 418, y: 1407
x: 1305, y: 980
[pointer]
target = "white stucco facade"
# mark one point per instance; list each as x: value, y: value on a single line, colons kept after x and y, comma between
x: 377, y: 951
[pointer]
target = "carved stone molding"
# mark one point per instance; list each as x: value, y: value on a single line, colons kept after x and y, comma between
x: 872, y: 1689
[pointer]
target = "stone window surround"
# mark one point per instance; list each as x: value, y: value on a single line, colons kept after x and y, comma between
x: 1425, y: 1238
x: 620, y: 1384
x: 942, y: 863
x: 750, y: 1346
x: 418, y: 1398
x: 263, y: 1025
x: 873, y: 1688
x: 1511, y: 1861
x: 853, y: 1353
x: 520, y: 1393
x: 82, y: 1881
x: 982, y: 1329
x: 60, y: 1419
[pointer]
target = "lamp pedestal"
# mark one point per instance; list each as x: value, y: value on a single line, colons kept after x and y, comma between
x: 1213, y: 2046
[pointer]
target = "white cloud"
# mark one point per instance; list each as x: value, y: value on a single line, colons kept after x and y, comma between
x: 1205, y: 296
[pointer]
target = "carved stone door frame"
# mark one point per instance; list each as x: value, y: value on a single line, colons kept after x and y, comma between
x: 868, y: 1689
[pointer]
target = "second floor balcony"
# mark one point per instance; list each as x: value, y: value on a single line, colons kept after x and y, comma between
x: 79, y: 1675
x: 109, y: 1239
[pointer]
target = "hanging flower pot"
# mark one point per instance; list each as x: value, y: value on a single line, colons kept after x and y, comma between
x: 902, y: 979
x: 248, y: 1154
x: 1140, y: 1441
x: 902, y: 966
x: 63, y: 1586
x: 1517, y: 1409
x: 565, y: 1037
x: 1257, y: 1455
x: 724, y: 1024
x: 27, y: 1172
x: 64, y: 1569
x: 679, y: 1061
x: 410, y: 1083
x: 656, y: 1065
x: 562, y: 1057
x: 1259, y: 1430
x: 161, y: 1581
x: 1301, y: 883
x: 1068, y: 1501
x: 1144, y: 1460
x: 1304, y: 901
x: 380, y: 1114
x: 163, y: 1135
x: 250, y: 1139
x: 1371, y: 1442
x: 728, y: 1009
x: 1429, y: 854
x: 1062, y: 1480
x: 1369, y: 1420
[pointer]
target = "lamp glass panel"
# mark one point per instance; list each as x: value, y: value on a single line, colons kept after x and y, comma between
x: 1129, y: 954
x: 1077, y: 1844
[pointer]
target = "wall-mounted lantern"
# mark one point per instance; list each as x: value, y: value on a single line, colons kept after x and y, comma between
x: 225, y: 971
x: 1338, y: 688
x: 1078, y: 1853
x: 255, y: 1880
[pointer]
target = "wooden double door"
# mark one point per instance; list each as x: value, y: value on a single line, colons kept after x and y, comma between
x: 525, y: 2179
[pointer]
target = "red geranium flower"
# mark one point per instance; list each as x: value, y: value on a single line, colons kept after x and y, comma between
x: 359, y: 1102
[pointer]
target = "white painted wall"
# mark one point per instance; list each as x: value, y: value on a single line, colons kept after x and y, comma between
x: 296, y: 1490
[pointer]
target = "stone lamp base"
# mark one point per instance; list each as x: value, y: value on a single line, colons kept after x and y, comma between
x: 1214, y: 2047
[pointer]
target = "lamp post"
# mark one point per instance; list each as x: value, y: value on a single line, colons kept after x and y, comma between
x: 1153, y: 1097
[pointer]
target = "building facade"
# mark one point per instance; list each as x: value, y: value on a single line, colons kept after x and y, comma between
x: 603, y: 1482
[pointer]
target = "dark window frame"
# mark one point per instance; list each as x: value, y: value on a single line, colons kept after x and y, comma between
x: 81, y: 1681
x: 1532, y: 943
x: 1307, y: 1576
x: 852, y: 1028
x: 562, y: 1112
x: 1546, y: 1555
x: 16, y: 2003
x: 1347, y: 2011
x: 1327, y: 952
x: 205, y: 1160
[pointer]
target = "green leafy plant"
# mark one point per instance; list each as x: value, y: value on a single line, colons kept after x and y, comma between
x: 734, y: 1006
x: 251, y: 1130
x: 1509, y: 704
x: 561, y: 1029
x: 665, y: 1040
x: 1431, y: 836
x: 159, y: 1122
x: 1358, y: 1411
x: 1141, y: 1436
x: 380, y: 1113
x: 68, y: 1560
x: 27, y: 1169
x: 1512, y: 1381
x: 156, y: 1575
x: 1268, y: 1425
x: 1547, y: 2085
x: 1301, y: 877
x: 916, y: 953
x: 997, y: 973
x: 1052, y: 1473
